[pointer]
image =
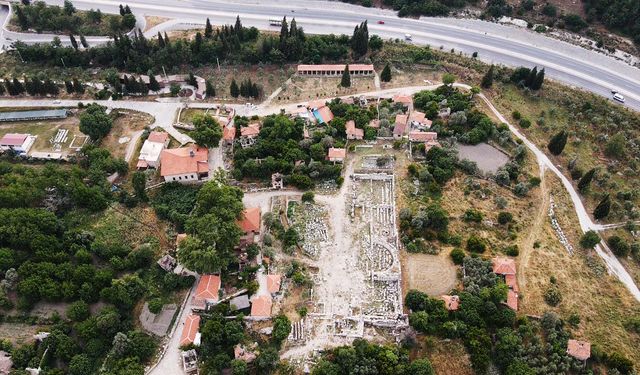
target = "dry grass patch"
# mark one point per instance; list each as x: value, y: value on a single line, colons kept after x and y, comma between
x: 19, y: 333
x: 448, y: 357
x: 125, y: 125
x: 311, y: 88
x: 431, y: 274
x: 417, y: 75
x: 601, y: 301
x: 152, y: 21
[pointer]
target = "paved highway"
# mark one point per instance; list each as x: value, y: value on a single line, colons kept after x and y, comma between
x: 494, y: 43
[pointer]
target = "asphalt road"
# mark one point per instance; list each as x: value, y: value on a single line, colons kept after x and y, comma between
x: 494, y: 43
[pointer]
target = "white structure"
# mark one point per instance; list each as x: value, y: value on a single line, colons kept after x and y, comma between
x: 20, y: 143
x: 152, y: 149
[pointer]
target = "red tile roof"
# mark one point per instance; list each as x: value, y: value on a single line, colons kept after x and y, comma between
x: 332, y: 67
x: 250, y: 221
x: 417, y: 116
x: 250, y: 130
x: 326, y: 114
x: 423, y: 136
x: 401, y: 124
x: 404, y: 99
x: 337, y: 153
x: 274, y: 283
x: 261, y: 306
x: 451, y: 303
x: 184, y: 160
x: 13, y: 139
x: 208, y: 288
x: 511, y: 282
x: 315, y: 104
x: 229, y: 133
x: 579, y: 349
x: 190, y: 330
x: 504, y: 266
x: 353, y: 131
x: 158, y: 137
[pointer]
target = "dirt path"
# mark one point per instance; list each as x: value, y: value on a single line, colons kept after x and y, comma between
x: 526, y: 246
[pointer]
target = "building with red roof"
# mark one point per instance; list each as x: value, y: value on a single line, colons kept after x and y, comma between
x: 352, y: 131
x: 229, y: 134
x: 335, y: 69
x: 400, y: 126
x: 250, y: 225
x: 207, y: 291
x: 185, y: 164
x: 250, y: 131
x: 261, y: 307
x: 504, y: 266
x: 336, y: 155
x: 405, y: 100
x: 580, y: 350
x: 190, y: 331
x: 274, y: 282
x: 451, y: 303
x: 152, y: 149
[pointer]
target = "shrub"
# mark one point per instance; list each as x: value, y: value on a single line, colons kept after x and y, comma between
x: 589, y: 240
x: 516, y: 115
x: 308, y: 197
x: 512, y: 250
x: 457, y: 255
x: 472, y: 215
x: 476, y: 244
x: 155, y: 305
x: 618, y: 246
x: 505, y: 217
x: 524, y: 123
x: 553, y: 296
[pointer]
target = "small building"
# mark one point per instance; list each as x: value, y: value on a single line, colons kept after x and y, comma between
x: 240, y: 302
x: 190, y: 362
x: 336, y: 155
x: 274, y: 283
x: 451, y: 303
x: 191, y: 331
x: 20, y: 143
x: 400, y: 126
x: 353, y: 132
x: 45, y: 114
x: 405, y: 100
x: 422, y: 137
x: 167, y: 263
x: 185, y: 164
x: 242, y: 353
x: 277, y: 181
x: 580, y: 350
x: 335, y: 70
x: 207, y: 292
x: 323, y: 115
x: 5, y: 363
x: 261, y: 307
x: 250, y: 225
x: 419, y: 121
x: 229, y: 135
x: 506, y: 267
x: 250, y: 131
x: 152, y: 149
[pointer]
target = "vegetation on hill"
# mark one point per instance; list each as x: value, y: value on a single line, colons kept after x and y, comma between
x: 52, y: 18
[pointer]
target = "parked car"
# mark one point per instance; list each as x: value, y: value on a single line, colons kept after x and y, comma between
x: 618, y: 97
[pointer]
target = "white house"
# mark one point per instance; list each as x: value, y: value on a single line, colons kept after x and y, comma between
x: 151, y: 150
x: 20, y: 143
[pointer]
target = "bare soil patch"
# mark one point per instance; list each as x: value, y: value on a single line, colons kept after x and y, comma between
x: 127, y: 123
x: 310, y: 88
x: 153, y: 21
x: 431, y: 274
x: 19, y: 333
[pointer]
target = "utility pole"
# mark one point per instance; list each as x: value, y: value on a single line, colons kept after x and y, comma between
x: 218, y: 61
x: 63, y: 64
x: 19, y: 54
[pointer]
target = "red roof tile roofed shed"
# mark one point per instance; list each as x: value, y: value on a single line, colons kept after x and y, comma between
x: 261, y: 306
x: 190, y: 330
x: 504, y: 266
x: 250, y: 221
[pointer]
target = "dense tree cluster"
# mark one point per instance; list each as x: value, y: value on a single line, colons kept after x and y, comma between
x: 367, y: 358
x: 95, y: 122
x: 279, y: 146
x: 43, y: 18
x: 619, y: 15
x: 528, y: 78
x: 207, y: 132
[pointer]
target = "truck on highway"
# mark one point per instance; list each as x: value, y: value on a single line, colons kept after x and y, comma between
x: 275, y: 22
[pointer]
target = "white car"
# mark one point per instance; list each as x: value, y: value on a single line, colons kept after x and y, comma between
x: 407, y: 37
x: 618, y: 97
x: 57, y: 102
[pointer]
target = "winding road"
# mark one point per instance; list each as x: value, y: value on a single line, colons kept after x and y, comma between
x: 494, y: 43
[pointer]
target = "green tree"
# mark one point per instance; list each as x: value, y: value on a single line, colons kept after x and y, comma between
x: 281, y: 329
x: 234, y: 89
x: 211, y: 90
x: 139, y: 183
x: 78, y: 311
x: 602, y: 209
x: 95, y: 122
x: 589, y: 240
x: 208, y: 131
x: 538, y: 81
x: 83, y: 41
x: 487, y: 79
x: 557, y: 142
x: 346, y: 77
x: 585, y: 181
x: 154, y: 85
x: 80, y: 365
x: 74, y: 42
x: 420, y: 367
x: 208, y: 29
x: 448, y: 79
x: 457, y: 255
x: 385, y: 76
x: 615, y: 146
x: 476, y: 244
x: 69, y: 9
x: 618, y: 246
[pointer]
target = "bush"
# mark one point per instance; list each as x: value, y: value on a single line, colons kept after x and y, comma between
x: 525, y: 123
x: 589, y: 240
x: 620, y: 363
x: 553, y: 296
x: 476, y: 244
x: 155, y: 305
x: 308, y: 197
x: 618, y: 246
x: 516, y: 115
x: 457, y: 255
x: 505, y: 217
x: 512, y: 250
x: 472, y: 215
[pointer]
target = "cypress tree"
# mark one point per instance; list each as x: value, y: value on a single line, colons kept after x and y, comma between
x: 208, y: 29
x: 83, y: 41
x: 238, y: 28
x: 531, y: 77
x: 487, y: 80
x: 346, y: 77
x: 22, y: 18
x: 234, y: 89
x: 602, y: 209
x: 78, y: 87
x: 537, y: 84
x: 18, y: 88
x: 160, y: 40
x: 74, y: 42
x: 1, y: 89
x: 284, y: 35
x: 153, y: 83
x: 385, y: 76
x: 127, y: 10
x: 121, y: 10
x: 69, y: 86
x: 211, y: 91
x: 585, y: 181
x: 557, y: 142
x: 166, y: 39
x: 197, y: 43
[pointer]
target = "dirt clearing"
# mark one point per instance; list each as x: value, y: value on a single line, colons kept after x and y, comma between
x: 431, y: 274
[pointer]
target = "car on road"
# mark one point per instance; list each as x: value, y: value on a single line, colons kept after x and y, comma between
x: 618, y: 97
x: 57, y: 102
x: 407, y: 37
x: 380, y: 22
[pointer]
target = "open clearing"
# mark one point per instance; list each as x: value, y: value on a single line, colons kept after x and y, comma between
x: 432, y: 274
x: 310, y: 88
x: 125, y: 126
x: 19, y: 333
x: 488, y: 158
